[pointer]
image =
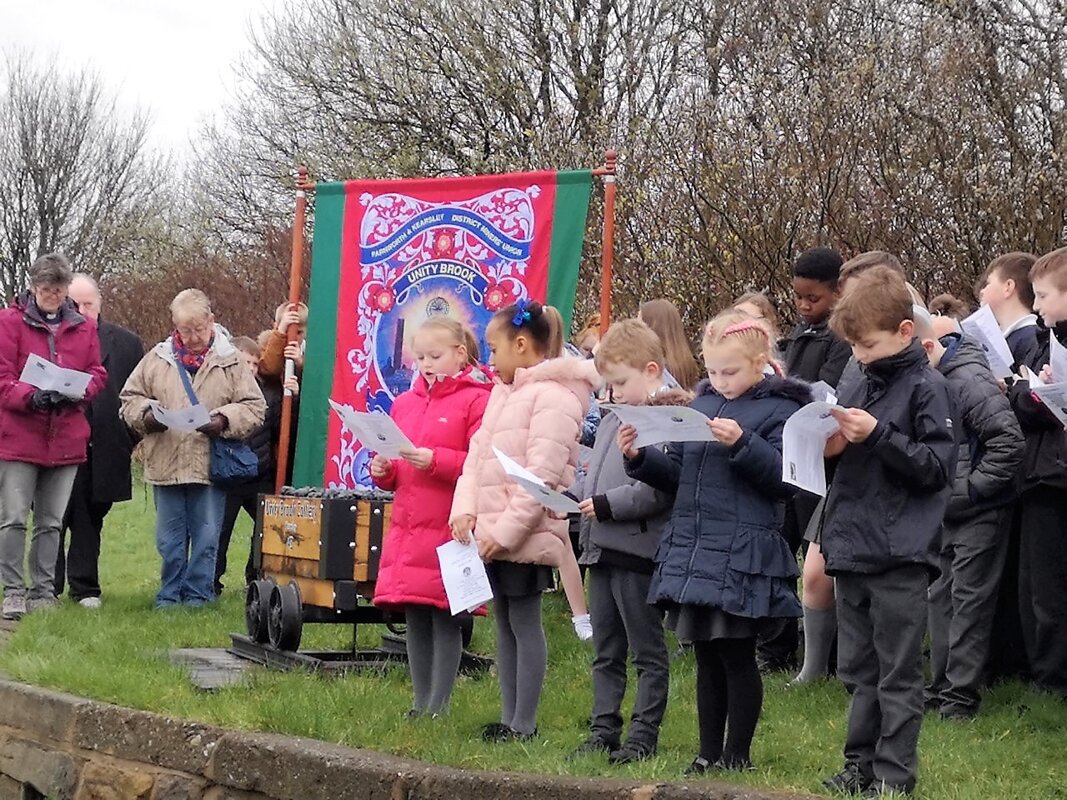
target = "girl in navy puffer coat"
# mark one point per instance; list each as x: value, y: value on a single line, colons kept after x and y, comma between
x: 723, y: 568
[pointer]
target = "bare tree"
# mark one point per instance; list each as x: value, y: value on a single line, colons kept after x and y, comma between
x: 80, y: 178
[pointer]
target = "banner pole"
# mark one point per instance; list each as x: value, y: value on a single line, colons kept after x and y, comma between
x: 296, y: 274
x: 607, y: 255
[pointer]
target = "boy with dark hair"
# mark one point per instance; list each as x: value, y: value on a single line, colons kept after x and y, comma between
x: 812, y: 353
x: 622, y: 520
x: 1043, y: 499
x: 896, y: 455
x: 974, y: 537
x: 1005, y: 287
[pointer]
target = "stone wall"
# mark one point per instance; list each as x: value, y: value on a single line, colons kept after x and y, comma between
x: 58, y: 746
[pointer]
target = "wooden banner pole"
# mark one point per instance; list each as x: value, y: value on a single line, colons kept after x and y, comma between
x: 607, y: 256
x: 296, y: 275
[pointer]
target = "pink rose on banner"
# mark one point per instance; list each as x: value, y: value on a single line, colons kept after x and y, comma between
x: 496, y: 296
x: 383, y: 300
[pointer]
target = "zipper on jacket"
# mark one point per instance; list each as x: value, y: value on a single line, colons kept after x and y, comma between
x: 696, y: 528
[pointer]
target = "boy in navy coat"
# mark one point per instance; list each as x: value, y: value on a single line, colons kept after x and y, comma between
x: 896, y: 455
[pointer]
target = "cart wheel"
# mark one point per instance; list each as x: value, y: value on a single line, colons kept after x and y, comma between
x: 286, y: 617
x: 257, y: 610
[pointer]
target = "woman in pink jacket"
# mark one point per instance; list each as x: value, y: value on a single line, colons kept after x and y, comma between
x: 534, y: 416
x: 439, y: 414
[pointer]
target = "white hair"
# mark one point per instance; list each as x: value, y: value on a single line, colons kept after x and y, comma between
x: 190, y: 304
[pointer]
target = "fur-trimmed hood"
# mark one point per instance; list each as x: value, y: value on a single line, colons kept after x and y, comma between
x: 578, y: 375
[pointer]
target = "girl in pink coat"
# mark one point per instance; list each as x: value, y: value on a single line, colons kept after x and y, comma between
x: 439, y: 414
x: 534, y: 416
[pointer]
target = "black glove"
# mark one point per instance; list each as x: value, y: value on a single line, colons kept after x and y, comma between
x: 40, y: 400
x: 214, y: 429
x: 151, y: 424
x: 60, y: 400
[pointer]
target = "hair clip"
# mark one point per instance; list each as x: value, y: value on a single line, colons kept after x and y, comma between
x: 522, y: 313
x: 741, y: 327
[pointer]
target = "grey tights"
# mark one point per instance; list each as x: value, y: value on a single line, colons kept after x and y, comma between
x: 521, y: 659
x: 435, y: 646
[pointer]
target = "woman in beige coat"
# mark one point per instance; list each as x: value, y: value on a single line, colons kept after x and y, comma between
x: 177, y: 464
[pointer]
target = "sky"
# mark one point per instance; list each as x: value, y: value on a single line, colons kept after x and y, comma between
x: 173, y: 57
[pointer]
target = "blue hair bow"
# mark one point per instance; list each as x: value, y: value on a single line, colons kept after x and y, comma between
x: 522, y: 313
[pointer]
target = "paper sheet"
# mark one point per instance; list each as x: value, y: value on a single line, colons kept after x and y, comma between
x: 1054, y: 397
x: 803, y: 442
x: 463, y: 574
x: 182, y: 419
x: 1031, y: 377
x: 377, y: 432
x: 552, y: 500
x: 659, y: 424
x: 1057, y: 359
x: 983, y: 328
x: 43, y: 374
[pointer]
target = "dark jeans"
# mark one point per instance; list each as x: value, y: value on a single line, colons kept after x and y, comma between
x: 625, y: 624
x: 242, y: 497
x: 1043, y: 585
x: 80, y: 565
x: 963, y: 601
x: 881, y: 620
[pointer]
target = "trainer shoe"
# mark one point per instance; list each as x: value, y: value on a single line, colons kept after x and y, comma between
x: 631, y: 752
x: 89, y: 602
x: 35, y: 604
x: 849, y: 780
x: 595, y: 744
x: 14, y: 607
x: 700, y: 766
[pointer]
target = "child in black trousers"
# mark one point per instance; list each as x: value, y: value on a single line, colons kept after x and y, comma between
x: 1043, y: 501
x: 881, y: 527
x: 974, y: 537
x: 622, y: 520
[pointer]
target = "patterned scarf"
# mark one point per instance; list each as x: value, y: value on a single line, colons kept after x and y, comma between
x: 188, y: 359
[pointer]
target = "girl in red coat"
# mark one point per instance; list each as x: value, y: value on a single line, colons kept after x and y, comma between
x: 439, y: 414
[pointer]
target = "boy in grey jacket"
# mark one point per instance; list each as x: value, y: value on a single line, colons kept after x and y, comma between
x: 620, y: 531
x: 974, y: 538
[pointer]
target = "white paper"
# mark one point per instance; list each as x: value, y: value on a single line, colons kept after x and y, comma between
x: 983, y: 328
x: 1054, y: 398
x: 463, y: 574
x: 377, y: 432
x: 659, y: 424
x: 1057, y: 359
x: 803, y: 443
x: 552, y: 500
x: 1032, y: 377
x: 182, y: 419
x: 43, y: 374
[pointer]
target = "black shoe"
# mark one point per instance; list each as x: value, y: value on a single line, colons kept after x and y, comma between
x: 495, y: 732
x: 932, y: 705
x: 700, y: 766
x: 413, y: 713
x: 849, y: 780
x: 631, y: 752
x: 512, y: 735
x: 595, y: 744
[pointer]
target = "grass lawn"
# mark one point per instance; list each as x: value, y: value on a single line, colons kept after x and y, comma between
x: 119, y: 654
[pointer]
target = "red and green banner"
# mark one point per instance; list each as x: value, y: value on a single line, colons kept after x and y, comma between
x: 387, y: 255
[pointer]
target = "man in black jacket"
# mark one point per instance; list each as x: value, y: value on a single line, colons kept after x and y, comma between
x: 974, y: 538
x: 896, y: 454
x: 104, y: 479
